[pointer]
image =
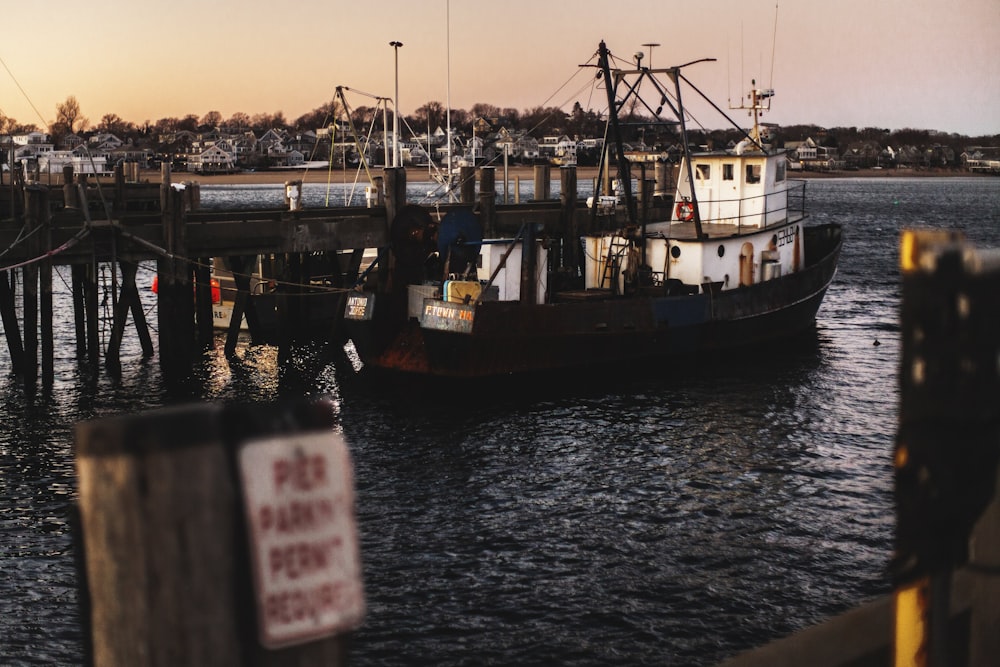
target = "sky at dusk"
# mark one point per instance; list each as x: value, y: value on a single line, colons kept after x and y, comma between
x: 924, y: 64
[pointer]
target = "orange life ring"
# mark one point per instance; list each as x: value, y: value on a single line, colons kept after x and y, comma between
x: 685, y: 211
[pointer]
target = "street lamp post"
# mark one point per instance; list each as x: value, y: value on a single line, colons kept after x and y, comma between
x: 395, y: 109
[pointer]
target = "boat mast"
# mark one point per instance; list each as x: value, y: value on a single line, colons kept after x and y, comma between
x: 686, y: 145
x: 624, y: 175
x: 448, y: 91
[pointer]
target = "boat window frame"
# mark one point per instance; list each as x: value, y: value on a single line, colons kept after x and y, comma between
x: 702, y: 171
x: 753, y: 173
x: 728, y: 171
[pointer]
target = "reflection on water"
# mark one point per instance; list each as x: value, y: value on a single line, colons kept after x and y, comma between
x: 668, y: 516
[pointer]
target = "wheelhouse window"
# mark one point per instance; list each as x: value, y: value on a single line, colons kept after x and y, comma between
x: 779, y: 174
x: 702, y: 172
x: 753, y: 173
x: 727, y: 172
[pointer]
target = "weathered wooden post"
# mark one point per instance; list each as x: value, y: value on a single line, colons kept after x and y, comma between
x: 567, y: 216
x: 128, y: 301
x: 78, y: 278
x: 395, y: 192
x: 517, y: 189
x: 467, y: 184
x: 395, y: 200
x: 119, y: 200
x: 32, y: 218
x: 92, y: 312
x: 203, y: 302
x: 45, y: 291
x: 215, y: 536
x: 69, y: 190
x: 487, y: 200
x: 175, y: 309
x: 11, y: 328
x: 543, y: 185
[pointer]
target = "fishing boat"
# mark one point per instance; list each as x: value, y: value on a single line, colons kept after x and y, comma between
x: 733, y: 262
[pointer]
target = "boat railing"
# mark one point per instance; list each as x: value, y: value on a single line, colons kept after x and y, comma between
x: 747, y: 212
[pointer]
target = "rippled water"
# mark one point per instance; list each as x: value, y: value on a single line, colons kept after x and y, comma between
x: 669, y: 519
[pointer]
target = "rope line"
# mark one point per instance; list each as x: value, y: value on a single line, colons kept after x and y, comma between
x: 69, y: 243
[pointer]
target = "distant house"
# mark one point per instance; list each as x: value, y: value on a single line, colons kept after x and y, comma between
x: 30, y: 139
x: 862, y: 155
x: 212, y: 160
x: 285, y: 158
x: 55, y: 162
x: 104, y: 141
x: 131, y: 153
x: 271, y: 141
x: 812, y: 156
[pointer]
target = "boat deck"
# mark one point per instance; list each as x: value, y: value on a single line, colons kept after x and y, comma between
x: 685, y: 231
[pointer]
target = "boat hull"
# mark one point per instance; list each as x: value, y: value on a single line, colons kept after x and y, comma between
x: 512, y: 338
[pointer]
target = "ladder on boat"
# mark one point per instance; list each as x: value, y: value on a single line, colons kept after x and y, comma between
x: 613, y: 262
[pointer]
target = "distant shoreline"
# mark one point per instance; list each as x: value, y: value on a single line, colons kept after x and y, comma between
x: 418, y: 175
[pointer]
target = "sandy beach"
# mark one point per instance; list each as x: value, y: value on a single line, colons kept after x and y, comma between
x: 281, y: 176
x: 418, y: 175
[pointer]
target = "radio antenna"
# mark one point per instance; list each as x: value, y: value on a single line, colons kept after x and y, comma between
x: 774, y: 41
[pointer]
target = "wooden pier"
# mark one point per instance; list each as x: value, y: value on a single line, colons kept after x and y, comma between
x: 86, y: 224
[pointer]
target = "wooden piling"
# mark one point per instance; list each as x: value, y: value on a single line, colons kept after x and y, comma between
x: 487, y: 200
x: 203, y: 302
x: 175, y: 308
x: 119, y: 174
x: 169, y: 537
x: 128, y: 301
x: 77, y: 273
x: 45, y: 292
x: 11, y: 328
x: 467, y: 184
x: 395, y: 200
x: 69, y: 189
x: 543, y: 182
x: 93, y: 315
x: 29, y: 273
x: 567, y: 218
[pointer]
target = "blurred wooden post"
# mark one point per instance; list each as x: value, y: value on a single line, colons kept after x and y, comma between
x: 173, y: 529
x: 487, y: 200
x: 947, y: 446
